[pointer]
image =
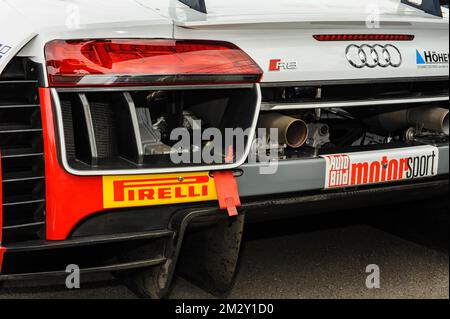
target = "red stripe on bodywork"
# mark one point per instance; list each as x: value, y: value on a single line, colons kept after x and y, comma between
x: 69, y: 198
x: 2, y: 249
x: 2, y: 252
x: 1, y: 201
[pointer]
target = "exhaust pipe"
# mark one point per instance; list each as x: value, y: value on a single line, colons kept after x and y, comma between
x: 291, y: 131
x: 430, y: 118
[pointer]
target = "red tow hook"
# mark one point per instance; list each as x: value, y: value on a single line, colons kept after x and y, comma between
x: 227, y: 191
x: 2, y: 249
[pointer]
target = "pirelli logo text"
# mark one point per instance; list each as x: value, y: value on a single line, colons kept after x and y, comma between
x: 150, y: 190
x: 354, y: 169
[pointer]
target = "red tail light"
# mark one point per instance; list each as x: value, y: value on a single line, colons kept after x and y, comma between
x: 147, y: 62
x: 363, y: 37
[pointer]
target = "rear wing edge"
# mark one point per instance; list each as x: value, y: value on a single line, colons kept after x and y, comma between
x: 198, y: 5
x: 432, y: 7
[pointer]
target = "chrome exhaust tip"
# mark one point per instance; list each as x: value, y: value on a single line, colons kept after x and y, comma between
x: 291, y: 131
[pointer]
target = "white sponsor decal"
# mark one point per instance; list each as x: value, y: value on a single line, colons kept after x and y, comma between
x: 373, y: 167
x: 4, y: 49
x: 432, y: 59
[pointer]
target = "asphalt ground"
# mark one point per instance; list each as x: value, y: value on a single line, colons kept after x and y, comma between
x: 320, y: 256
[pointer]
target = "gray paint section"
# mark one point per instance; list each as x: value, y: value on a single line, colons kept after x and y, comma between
x: 299, y: 175
x: 443, y: 160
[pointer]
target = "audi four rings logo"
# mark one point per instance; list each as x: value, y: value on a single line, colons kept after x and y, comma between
x: 371, y: 56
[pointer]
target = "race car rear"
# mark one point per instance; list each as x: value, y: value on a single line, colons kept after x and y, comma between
x: 115, y: 144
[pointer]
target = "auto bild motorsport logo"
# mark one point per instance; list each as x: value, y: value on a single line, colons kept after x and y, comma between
x: 149, y: 190
x: 365, y: 168
x: 432, y: 59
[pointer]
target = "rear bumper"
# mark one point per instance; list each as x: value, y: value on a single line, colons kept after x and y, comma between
x: 304, y: 203
x: 300, y: 176
x: 132, y: 250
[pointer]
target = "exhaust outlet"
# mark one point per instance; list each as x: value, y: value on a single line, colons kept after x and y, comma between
x: 291, y: 131
x: 430, y: 118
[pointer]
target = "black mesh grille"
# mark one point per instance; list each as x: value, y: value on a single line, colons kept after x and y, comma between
x: 22, y: 159
x: 337, y: 92
x: 105, y: 129
x: 68, y: 129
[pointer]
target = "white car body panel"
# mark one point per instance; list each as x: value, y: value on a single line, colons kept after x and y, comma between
x: 234, y: 12
x: 265, y: 29
x: 22, y: 34
x: 318, y: 61
x: 47, y: 20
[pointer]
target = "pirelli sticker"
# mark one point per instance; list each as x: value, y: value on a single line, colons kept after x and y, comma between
x: 150, y: 190
x: 384, y: 166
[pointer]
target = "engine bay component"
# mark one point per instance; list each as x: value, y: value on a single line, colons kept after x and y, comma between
x: 291, y: 131
x: 189, y: 120
x: 318, y: 135
x: 371, y: 139
x: 151, y: 133
x: 263, y: 150
x: 430, y: 118
x: 331, y: 130
x: 413, y: 134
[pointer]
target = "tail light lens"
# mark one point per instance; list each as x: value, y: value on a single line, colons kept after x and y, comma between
x: 121, y: 62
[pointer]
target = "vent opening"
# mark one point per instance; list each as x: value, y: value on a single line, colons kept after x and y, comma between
x: 138, y: 130
x: 21, y: 147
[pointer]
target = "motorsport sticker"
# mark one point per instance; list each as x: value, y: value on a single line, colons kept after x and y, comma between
x: 432, y: 59
x: 4, y: 49
x: 149, y: 190
x: 365, y: 168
